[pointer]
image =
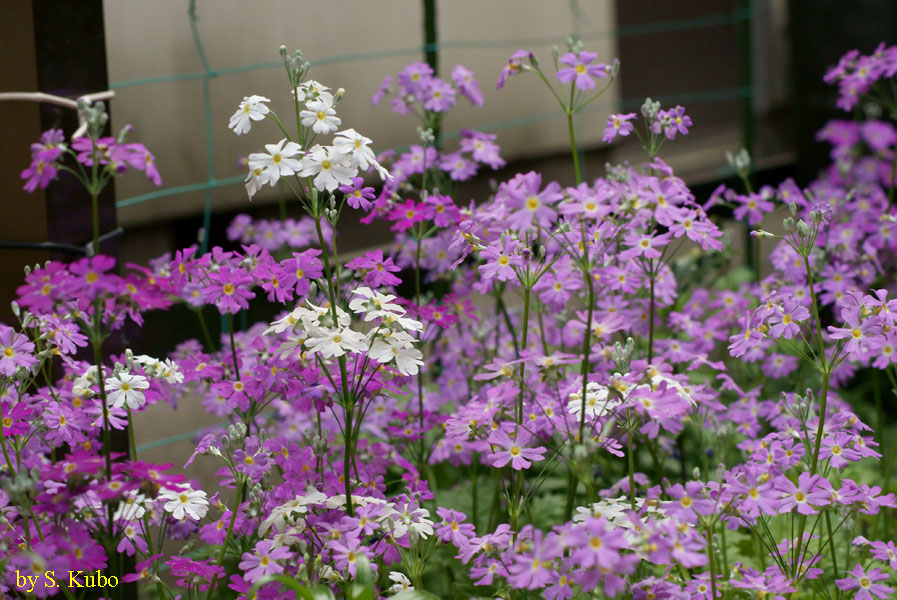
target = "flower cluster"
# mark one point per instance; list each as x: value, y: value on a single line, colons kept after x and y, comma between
x: 583, y: 395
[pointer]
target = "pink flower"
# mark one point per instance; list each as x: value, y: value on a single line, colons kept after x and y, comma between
x: 15, y: 351
x: 514, y: 451
x: 263, y: 560
x: 500, y: 262
x: 864, y: 582
x: 618, y: 124
x: 581, y: 70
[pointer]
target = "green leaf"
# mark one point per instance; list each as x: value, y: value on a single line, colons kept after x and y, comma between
x: 322, y: 592
x: 301, y: 591
x: 414, y: 595
x: 363, y: 586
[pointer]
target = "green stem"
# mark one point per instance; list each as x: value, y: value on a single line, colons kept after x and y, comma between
x: 651, y: 317
x: 210, y: 345
x: 712, y: 563
x: 573, y: 149
x: 631, y: 459
x: 95, y: 214
x: 831, y: 544
x: 227, y: 537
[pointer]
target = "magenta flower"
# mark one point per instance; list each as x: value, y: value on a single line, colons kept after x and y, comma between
x: 618, y: 124
x: 357, y: 195
x: 263, y: 560
x: 15, y: 351
x: 864, y: 582
x: 514, y: 451
x: 406, y: 215
x: 42, y: 170
x: 375, y: 269
x: 300, y: 270
x: 228, y: 290
x: 581, y: 70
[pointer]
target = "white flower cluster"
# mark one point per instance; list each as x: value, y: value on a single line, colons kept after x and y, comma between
x: 394, y: 518
x: 330, y: 166
x: 388, y: 343
x: 597, y: 402
x: 124, y: 388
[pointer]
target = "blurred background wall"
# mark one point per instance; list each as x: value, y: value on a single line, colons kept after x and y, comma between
x: 748, y: 71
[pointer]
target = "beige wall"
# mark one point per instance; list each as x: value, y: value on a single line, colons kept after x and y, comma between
x: 146, y: 39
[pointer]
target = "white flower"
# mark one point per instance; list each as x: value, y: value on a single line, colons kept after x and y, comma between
x: 257, y: 178
x: 282, y: 515
x: 335, y: 342
x: 125, y: 389
x: 131, y: 508
x: 596, y: 404
x: 251, y: 109
x: 185, y: 501
x: 356, y: 145
x: 401, y: 582
x: 407, y: 357
x: 372, y: 301
x: 312, y: 90
x: 329, y: 167
x: 170, y: 372
x: 279, y: 162
x: 320, y: 116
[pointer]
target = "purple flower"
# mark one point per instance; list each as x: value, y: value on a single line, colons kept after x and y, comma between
x: 581, y: 70
x: 357, y: 195
x: 15, y: 351
x: 375, y: 269
x: 500, y: 261
x: 252, y: 460
x: 263, y: 560
x: 513, y: 67
x: 864, y: 582
x: 228, y: 290
x: 440, y: 95
x: 453, y: 529
x: 467, y: 85
x: 618, y: 124
x: 514, y: 451
x: 42, y: 170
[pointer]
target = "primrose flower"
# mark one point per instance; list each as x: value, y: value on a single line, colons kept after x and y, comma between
x: 263, y: 560
x: 618, y: 124
x: 513, y: 67
x: 185, y: 501
x: 329, y: 167
x: 865, y: 583
x: 279, y: 161
x: 320, y: 116
x: 126, y: 390
x: 579, y: 69
x: 514, y: 451
x: 252, y: 108
x: 15, y: 351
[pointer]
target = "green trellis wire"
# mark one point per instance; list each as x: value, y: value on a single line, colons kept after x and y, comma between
x: 745, y: 92
x: 211, y: 183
